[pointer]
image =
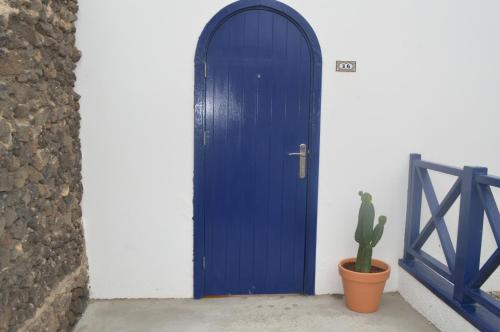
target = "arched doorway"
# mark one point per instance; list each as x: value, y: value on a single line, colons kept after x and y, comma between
x: 257, y: 114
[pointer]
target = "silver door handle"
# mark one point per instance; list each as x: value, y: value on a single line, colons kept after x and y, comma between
x: 302, y: 160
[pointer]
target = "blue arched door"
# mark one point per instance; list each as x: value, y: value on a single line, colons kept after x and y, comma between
x: 258, y: 77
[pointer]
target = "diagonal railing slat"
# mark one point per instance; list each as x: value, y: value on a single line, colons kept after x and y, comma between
x: 432, y: 201
x: 487, y: 270
x: 445, y: 205
x: 491, y: 210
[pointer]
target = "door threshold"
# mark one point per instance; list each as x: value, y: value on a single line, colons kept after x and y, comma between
x: 250, y: 295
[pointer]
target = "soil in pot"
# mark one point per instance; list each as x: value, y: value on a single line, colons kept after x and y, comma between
x: 352, y: 267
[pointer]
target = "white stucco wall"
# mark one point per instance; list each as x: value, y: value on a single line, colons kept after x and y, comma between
x: 427, y: 81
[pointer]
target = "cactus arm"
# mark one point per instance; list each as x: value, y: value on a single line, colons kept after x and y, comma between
x: 357, y: 234
x: 378, y: 231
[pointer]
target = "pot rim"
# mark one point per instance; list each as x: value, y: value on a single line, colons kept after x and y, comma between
x: 363, y: 276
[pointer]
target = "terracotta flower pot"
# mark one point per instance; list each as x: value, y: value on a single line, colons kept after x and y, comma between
x: 363, y: 291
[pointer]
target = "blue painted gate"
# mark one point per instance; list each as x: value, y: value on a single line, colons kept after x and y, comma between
x: 258, y: 97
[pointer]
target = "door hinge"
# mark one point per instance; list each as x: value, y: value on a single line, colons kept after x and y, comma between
x: 205, y: 70
x: 204, y: 264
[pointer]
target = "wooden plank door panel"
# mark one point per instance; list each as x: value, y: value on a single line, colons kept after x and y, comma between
x: 257, y: 111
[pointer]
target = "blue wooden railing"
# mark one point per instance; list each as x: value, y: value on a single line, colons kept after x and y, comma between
x: 458, y: 281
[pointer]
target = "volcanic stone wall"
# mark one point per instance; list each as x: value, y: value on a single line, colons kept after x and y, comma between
x: 43, y: 271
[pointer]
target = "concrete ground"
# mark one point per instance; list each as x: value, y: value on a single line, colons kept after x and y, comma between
x: 249, y: 313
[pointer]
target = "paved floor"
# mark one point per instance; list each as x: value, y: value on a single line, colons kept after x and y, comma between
x: 249, y: 313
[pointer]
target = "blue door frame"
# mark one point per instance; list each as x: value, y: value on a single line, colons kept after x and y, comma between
x: 199, y: 125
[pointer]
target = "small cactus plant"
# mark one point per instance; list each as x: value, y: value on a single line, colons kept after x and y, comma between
x: 366, y: 235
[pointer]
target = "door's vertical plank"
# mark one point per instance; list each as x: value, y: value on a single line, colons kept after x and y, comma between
x: 243, y: 218
x: 244, y: 268
x: 248, y: 150
x: 304, y: 84
x: 296, y: 138
x: 233, y: 141
x: 208, y: 171
x: 209, y: 174
x: 276, y: 156
x: 238, y: 162
x: 216, y: 211
x: 226, y: 209
x: 291, y: 169
x: 263, y: 120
